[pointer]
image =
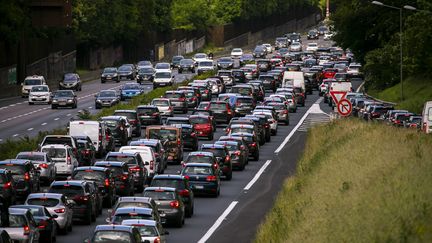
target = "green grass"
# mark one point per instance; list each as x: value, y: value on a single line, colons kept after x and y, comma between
x: 416, y: 93
x: 356, y: 182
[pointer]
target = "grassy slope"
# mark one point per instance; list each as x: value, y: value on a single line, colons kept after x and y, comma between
x: 416, y: 93
x: 356, y: 182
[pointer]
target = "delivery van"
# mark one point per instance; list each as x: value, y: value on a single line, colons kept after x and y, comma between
x: 94, y: 130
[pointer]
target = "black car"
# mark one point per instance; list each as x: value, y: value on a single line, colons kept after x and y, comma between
x: 109, y: 74
x: 175, y: 61
x: 25, y: 176
x: 259, y: 52
x: 71, y: 81
x: 264, y: 65
x: 203, y: 178
x: 178, y: 100
x: 225, y: 63
x: 136, y: 166
x: 145, y: 74
x: 222, y: 155
x: 44, y: 220
x: 244, y: 105
x: 281, y: 42
x: 64, y: 98
x: 251, y: 142
x: 106, y: 98
x: 134, y: 121
x: 246, y: 58
x: 269, y: 82
x: 190, y: 137
x: 87, y: 150
x: 149, y: 115
x: 239, y: 76
x: 263, y: 124
x: 126, y: 71
x: 117, y: 125
x: 103, y: 178
x: 293, y: 37
x: 123, y: 178
x: 312, y: 34
x: 239, y: 156
x: 110, y: 233
x: 186, y: 65
x: 8, y: 192
x: 84, y: 206
x: 170, y: 204
x: 182, y: 186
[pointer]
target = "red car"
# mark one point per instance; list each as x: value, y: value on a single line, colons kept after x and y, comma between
x: 203, y: 125
x: 329, y: 73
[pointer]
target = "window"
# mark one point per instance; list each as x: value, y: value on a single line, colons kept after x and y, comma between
x: 17, y: 220
x: 430, y: 114
x: 14, y: 169
x: 160, y: 195
x: 46, y: 202
x: 133, y: 204
x: 69, y: 191
x: 31, y: 157
x: 112, y: 237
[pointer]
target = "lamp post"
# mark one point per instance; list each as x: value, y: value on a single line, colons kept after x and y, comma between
x: 400, y: 39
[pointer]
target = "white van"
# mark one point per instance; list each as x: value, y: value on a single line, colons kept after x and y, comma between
x: 29, y: 82
x: 295, y: 79
x: 63, y: 157
x: 427, y: 117
x: 94, y: 130
x: 345, y: 86
x: 147, y: 155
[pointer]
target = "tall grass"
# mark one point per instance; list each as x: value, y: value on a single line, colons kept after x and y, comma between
x: 356, y: 182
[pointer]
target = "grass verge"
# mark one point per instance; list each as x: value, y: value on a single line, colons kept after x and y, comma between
x: 10, y: 148
x: 356, y: 182
x: 416, y: 92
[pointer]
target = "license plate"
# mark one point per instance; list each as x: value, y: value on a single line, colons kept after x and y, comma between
x: 162, y: 214
x: 199, y: 187
x: 145, y: 116
x: 62, y: 103
x: 108, y: 78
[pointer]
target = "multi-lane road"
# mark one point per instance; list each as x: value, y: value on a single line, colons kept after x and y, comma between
x: 232, y: 217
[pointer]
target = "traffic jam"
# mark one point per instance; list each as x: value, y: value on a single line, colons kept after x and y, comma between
x: 141, y: 170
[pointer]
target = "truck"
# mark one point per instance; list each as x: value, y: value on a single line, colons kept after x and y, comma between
x: 95, y: 130
x: 294, y: 79
x: 427, y: 117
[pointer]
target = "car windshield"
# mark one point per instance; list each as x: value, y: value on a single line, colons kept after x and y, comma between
x: 246, y: 138
x: 160, y: 195
x: 14, y: 169
x: 199, y: 159
x: 200, y: 56
x: 241, y: 90
x: 163, y: 134
x: 237, y: 73
x: 131, y: 86
x: 197, y: 170
x: 198, y: 120
x: 46, y: 202
x: 225, y: 60
x: 145, y: 71
x: 262, y: 62
x: 177, y: 58
x: 230, y: 147
x: 65, y: 93
x: 147, y: 231
x: 221, y: 73
x: 107, y: 94
x: 55, y: 152
x: 111, y: 123
x: 35, y: 211
x: 17, y: 220
x: 110, y: 70
x: 39, y: 89
x: 118, y: 218
x: 178, y: 184
x: 218, y: 106
x: 112, y: 237
x: 160, y: 102
x: 313, y: 45
x: 176, y: 121
x: 244, y: 101
x: 241, y: 129
x: 259, y: 49
x: 144, y: 63
x: 162, y: 66
x: 32, y: 82
x: 147, y: 111
x: 90, y: 175
x: 206, y: 64
x: 186, y: 62
x: 122, y: 158
x: 125, y: 68
x: 35, y: 157
x: 281, y: 39
x: 216, y: 152
x: 70, y: 77
x: 82, y: 144
x: 189, y: 94
x: 67, y: 189
x: 163, y: 75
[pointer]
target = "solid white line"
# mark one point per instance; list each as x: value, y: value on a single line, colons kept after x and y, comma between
x: 257, y: 175
x: 31, y: 128
x: 43, y: 124
x: 56, y: 119
x: 218, y: 222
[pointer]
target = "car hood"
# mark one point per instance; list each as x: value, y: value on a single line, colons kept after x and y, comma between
x: 40, y: 93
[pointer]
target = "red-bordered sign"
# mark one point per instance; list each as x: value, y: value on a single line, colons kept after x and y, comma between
x: 344, y: 107
x: 338, y: 96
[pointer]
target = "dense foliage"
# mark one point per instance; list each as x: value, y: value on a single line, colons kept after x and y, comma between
x: 372, y: 33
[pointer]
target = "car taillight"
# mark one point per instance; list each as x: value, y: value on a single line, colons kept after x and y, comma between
x: 59, y: 210
x: 211, y: 178
x: 184, y: 193
x: 107, y: 183
x: 81, y: 199
x: 69, y: 162
x: 100, y: 137
x: 26, y: 230
x: 237, y: 153
x: 206, y: 91
x: 266, y: 125
x: 253, y: 144
x: 124, y: 177
x: 175, y: 204
x: 186, y: 177
x: 135, y: 169
x: 227, y: 158
x: 43, y: 165
x: 182, y: 99
x: 7, y: 185
x: 229, y: 111
x: 178, y: 142
x: 26, y: 176
x: 107, y: 137
x: 193, y: 134
x: 151, y: 164
x: 215, y: 166
x: 285, y: 112
x: 413, y: 125
x: 170, y: 108
x: 157, y: 240
x: 194, y: 98
x: 42, y: 224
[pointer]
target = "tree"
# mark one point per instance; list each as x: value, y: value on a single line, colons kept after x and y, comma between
x: 14, y: 20
x: 190, y: 14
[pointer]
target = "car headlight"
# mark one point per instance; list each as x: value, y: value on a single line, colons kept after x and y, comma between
x: 69, y: 100
x: 114, y: 100
x: 98, y: 101
x: 54, y: 100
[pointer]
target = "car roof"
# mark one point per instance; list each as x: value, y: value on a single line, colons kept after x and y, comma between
x: 168, y: 176
x: 110, y: 163
x: 178, y: 118
x: 139, y: 222
x: 91, y: 168
x: 242, y: 126
x: 139, y: 210
x: 15, y: 161
x: 198, y: 165
x: 147, y: 106
x: 131, y: 111
x: 69, y: 182
x: 242, y: 134
x: 111, y: 117
x: 121, y: 154
x: 45, y: 195
x: 113, y: 227
x: 216, y: 146
x: 201, y: 153
x: 18, y: 211
x: 135, y: 199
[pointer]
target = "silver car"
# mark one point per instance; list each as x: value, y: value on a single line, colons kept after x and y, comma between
x: 56, y: 204
x: 42, y: 162
x: 164, y: 105
x: 22, y: 226
x: 148, y: 229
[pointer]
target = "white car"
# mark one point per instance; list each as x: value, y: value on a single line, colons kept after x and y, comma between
x: 268, y: 47
x: 29, y: 82
x: 328, y: 36
x: 163, y: 78
x: 354, y: 70
x: 296, y: 46
x: 164, y: 105
x: 312, y: 46
x: 204, y: 66
x: 147, y: 155
x: 39, y: 94
x: 199, y: 57
x: 148, y: 229
x: 163, y: 66
x: 63, y: 157
x: 236, y: 53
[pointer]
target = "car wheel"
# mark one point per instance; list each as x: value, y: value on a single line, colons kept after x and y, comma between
x: 103, y: 81
x: 179, y: 222
x: 31, y: 103
x: 210, y: 137
x: 140, y: 188
x: 256, y: 156
x: 229, y: 176
x: 287, y: 122
x: 53, y: 107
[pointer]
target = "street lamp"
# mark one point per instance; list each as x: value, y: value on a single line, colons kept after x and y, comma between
x: 408, y: 7
x: 400, y: 38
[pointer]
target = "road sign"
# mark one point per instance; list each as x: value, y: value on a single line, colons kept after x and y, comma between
x: 344, y: 107
x: 338, y: 96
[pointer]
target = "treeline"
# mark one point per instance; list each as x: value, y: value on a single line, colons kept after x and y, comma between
x: 372, y: 33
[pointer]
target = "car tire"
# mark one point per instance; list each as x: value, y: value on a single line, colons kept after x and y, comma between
x: 287, y: 123
x: 103, y: 81
x: 53, y: 107
x: 140, y: 188
x: 229, y: 176
x: 179, y: 222
x: 31, y: 103
x: 256, y: 156
x: 210, y: 137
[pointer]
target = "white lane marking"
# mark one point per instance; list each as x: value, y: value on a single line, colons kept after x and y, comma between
x: 43, y: 124
x: 69, y: 114
x: 90, y: 107
x: 56, y: 119
x: 312, y: 108
x: 12, y: 105
x: 15, y: 135
x: 218, y: 222
x: 31, y: 128
x: 257, y: 175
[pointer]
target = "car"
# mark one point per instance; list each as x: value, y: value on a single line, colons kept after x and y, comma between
x: 271, y: 119
x: 39, y: 94
x: 64, y: 98
x: 191, y: 98
x: 190, y: 136
x: 236, y: 53
x: 61, y: 139
x: 354, y: 70
x: 44, y: 221
x: 293, y: 37
x: 177, y: 120
x: 281, y: 42
x: 163, y: 78
x: 196, y: 90
x: 160, y: 153
x: 268, y: 81
x: 268, y: 47
x: 70, y: 81
x: 312, y: 46
x: 106, y: 98
x: 175, y: 61
x: 201, y: 157
x: 118, y: 127
x: 258, y: 127
x: 244, y: 105
x: 145, y: 74
x: 252, y: 143
x: 203, y: 178
x: 239, y: 76
x: 413, y: 122
x: 400, y: 118
x: 162, y: 67
x: 42, y: 162
x: 123, y: 178
x: 246, y: 58
x: 130, y: 90
x: 250, y: 72
x: 205, y: 91
x: 295, y: 47
x: 108, y: 74
x: 260, y: 51
x: 205, y: 66
x: 57, y: 205
x: 182, y: 186
x: 149, y: 115
x: 144, y: 64
x: 225, y: 63
x: 164, y: 106
x: 264, y: 65
x: 222, y: 111
x: 178, y: 100
x: 115, y: 233
x: 312, y: 35
x: 63, y: 157
x: 147, y: 154
x: 282, y: 112
x: 25, y: 175
x: 199, y: 57
x: 126, y: 71
x: 203, y: 125
x: 149, y: 230
x: 9, y: 192
x: 258, y: 89
x: 238, y: 156
x: 87, y: 150
x: 170, y: 204
x: 125, y: 213
x: 135, y: 163
x: 104, y: 179
x: 226, y: 76
x: 29, y: 82
x: 323, y: 30
x: 134, y: 121
x: 137, y: 202
x: 22, y: 226
x: 223, y: 156
x: 203, y: 105
x: 171, y: 139
x: 243, y: 90
x: 187, y: 65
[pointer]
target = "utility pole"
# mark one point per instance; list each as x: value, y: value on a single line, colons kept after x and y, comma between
x: 328, y: 9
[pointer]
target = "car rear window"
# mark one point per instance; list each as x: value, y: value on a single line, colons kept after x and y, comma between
x: 163, y: 134
x: 67, y: 189
x: 244, y: 101
x: 160, y: 102
x: 112, y: 236
x: 55, y: 153
x: 198, y: 120
x: 216, y: 152
x: 14, y: 169
x: 55, y: 140
x: 241, y: 90
x: 173, y: 95
x: 199, y: 159
x: 133, y: 204
x: 46, y: 202
x: 147, y: 111
x: 160, y: 195
x: 175, y: 183
x: 17, y: 220
x: 129, y: 115
x: 217, y: 106
x: 242, y: 129
x: 31, y: 157
x: 122, y: 158
x: 92, y: 175
x: 197, y: 170
x: 176, y: 121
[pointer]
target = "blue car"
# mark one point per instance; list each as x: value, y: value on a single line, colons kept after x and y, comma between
x: 130, y: 90
x: 203, y: 178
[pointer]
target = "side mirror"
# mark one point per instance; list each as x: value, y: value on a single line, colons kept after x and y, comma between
x: 54, y: 216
